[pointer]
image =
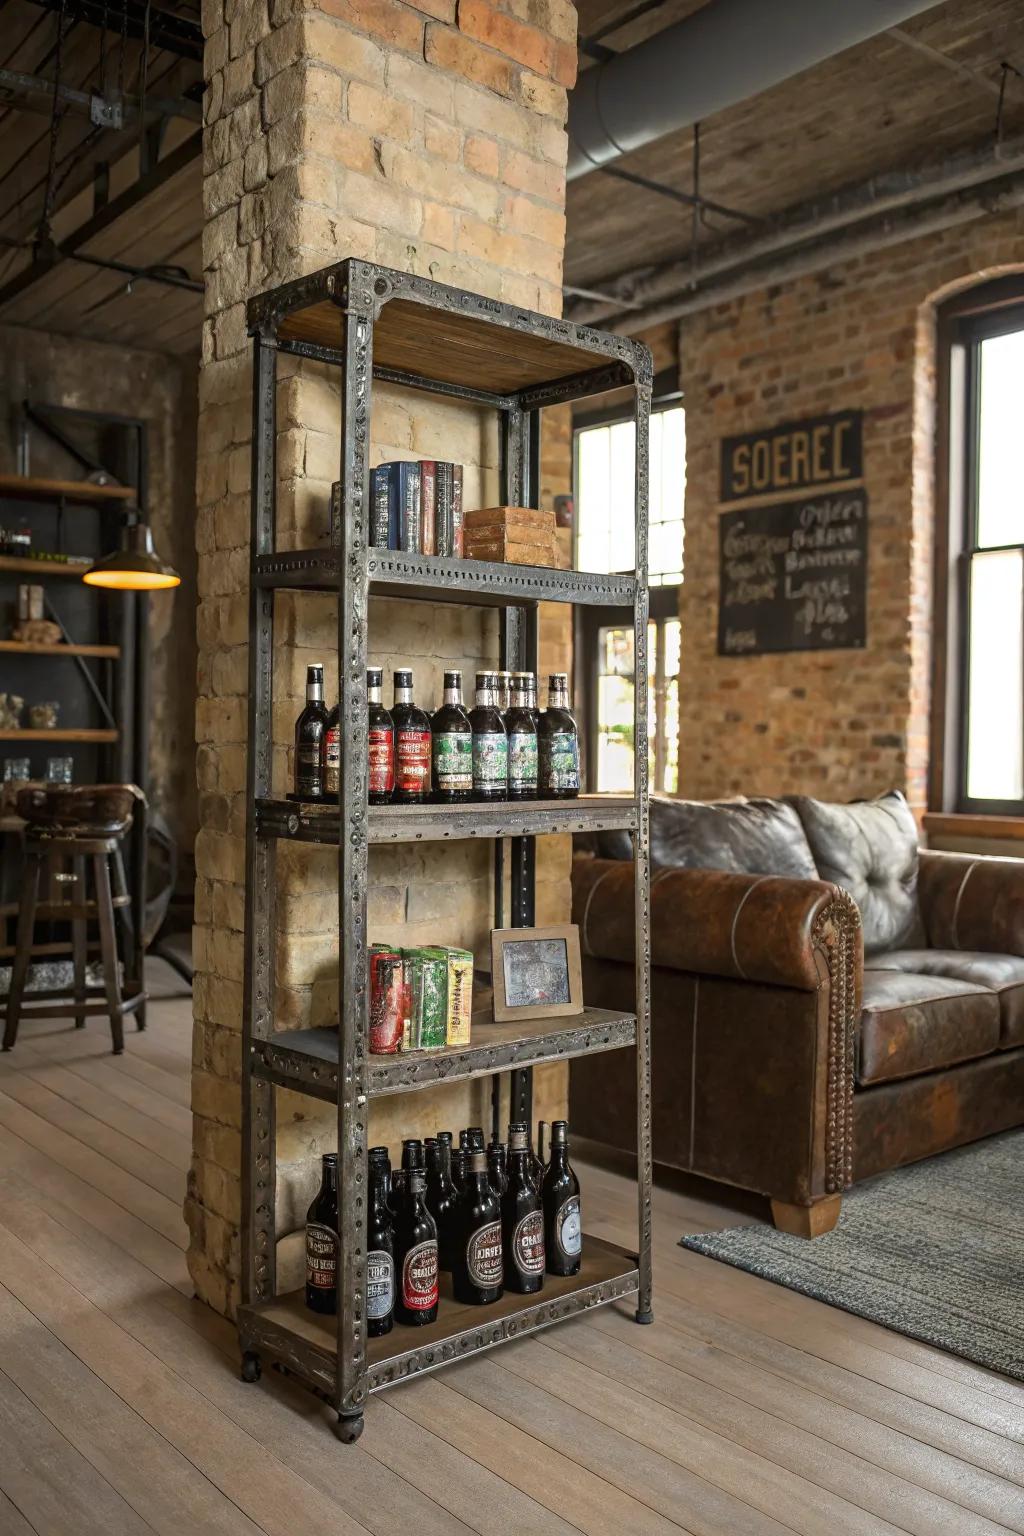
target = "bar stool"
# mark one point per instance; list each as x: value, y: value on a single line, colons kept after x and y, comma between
x: 72, y: 830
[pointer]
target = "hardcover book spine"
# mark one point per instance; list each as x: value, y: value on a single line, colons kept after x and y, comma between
x: 406, y: 482
x: 379, y: 508
x: 428, y: 505
x: 444, y: 511
x: 457, y: 538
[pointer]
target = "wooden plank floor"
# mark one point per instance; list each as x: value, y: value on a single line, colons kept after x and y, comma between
x: 744, y: 1409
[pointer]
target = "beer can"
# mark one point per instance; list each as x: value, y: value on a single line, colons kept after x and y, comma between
x: 388, y: 1008
x: 460, y: 996
x: 430, y: 999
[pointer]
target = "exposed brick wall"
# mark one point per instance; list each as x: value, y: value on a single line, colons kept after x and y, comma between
x: 836, y: 724
x: 399, y: 133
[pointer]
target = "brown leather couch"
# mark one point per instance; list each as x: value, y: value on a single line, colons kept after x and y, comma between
x: 828, y: 1001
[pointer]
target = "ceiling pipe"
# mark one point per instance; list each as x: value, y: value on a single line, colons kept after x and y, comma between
x: 723, y: 53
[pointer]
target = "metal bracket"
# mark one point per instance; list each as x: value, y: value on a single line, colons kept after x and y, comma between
x: 105, y: 113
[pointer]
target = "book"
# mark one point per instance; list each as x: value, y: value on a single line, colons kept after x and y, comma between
x: 444, y: 517
x: 380, y: 509
x: 428, y: 505
x: 404, y: 492
x: 457, y: 540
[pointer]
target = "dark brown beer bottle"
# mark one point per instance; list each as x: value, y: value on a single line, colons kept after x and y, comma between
x: 477, y: 1270
x: 522, y: 1219
x: 442, y: 1202
x: 322, y: 1241
x: 380, y: 742
x: 309, y: 734
x: 563, y: 1241
x: 380, y: 1255
x: 558, y: 745
x: 412, y: 744
x: 415, y: 1256
x: 497, y: 1167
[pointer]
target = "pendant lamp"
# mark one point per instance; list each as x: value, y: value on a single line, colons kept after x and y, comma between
x: 135, y: 567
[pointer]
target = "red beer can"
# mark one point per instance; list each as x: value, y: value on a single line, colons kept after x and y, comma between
x: 387, y: 1001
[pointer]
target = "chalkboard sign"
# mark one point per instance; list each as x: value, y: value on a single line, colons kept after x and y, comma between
x: 793, y: 576
x: 796, y: 456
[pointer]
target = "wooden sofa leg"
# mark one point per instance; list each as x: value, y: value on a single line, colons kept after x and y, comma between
x: 807, y: 1220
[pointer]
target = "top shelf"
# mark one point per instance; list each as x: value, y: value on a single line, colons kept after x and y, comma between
x: 33, y: 488
x: 433, y: 335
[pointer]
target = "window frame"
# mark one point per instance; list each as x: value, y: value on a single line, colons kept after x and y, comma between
x: 992, y: 309
x: 589, y: 621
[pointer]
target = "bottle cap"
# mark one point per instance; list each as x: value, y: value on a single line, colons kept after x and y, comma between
x: 518, y: 1138
x: 374, y: 677
x: 445, y: 1137
x: 559, y: 1132
x: 403, y: 677
x: 330, y: 1159
x: 378, y: 1154
x: 315, y: 672
x: 453, y: 679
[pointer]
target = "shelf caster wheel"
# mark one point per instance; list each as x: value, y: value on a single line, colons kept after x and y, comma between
x: 348, y: 1427
x: 644, y: 1317
x: 251, y: 1368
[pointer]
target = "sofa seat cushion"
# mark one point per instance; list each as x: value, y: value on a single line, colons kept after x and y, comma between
x: 742, y: 837
x: 1001, y: 974
x: 870, y: 849
x: 911, y: 1024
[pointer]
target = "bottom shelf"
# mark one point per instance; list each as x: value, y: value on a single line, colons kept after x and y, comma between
x: 307, y: 1343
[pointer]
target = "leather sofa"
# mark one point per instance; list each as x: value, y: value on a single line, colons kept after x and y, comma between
x: 828, y: 1000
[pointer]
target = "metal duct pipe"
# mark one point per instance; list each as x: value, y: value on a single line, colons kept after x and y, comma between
x: 723, y: 53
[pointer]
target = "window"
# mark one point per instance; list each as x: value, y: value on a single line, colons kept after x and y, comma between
x: 983, y: 698
x: 605, y: 467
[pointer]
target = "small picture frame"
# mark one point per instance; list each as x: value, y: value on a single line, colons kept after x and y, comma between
x: 536, y: 973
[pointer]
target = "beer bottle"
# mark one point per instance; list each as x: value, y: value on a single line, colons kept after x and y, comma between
x: 322, y: 1241
x: 459, y: 1156
x: 380, y: 1254
x: 452, y: 749
x: 497, y: 1167
x: 490, y: 741
x: 380, y: 1158
x: 476, y: 1143
x: 309, y: 733
x: 415, y: 1256
x: 558, y: 745
x: 444, y: 1139
x: 563, y: 1240
x: 442, y: 1201
x: 380, y: 741
x: 522, y: 742
x: 412, y: 1155
x: 412, y: 744
x: 477, y: 1270
x: 522, y: 1219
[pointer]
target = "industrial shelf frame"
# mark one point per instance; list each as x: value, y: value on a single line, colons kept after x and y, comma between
x: 377, y: 324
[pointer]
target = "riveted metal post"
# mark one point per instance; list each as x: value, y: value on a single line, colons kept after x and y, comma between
x: 642, y: 871
x: 358, y: 305
x: 258, y: 1127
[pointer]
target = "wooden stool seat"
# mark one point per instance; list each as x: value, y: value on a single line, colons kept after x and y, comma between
x: 70, y: 853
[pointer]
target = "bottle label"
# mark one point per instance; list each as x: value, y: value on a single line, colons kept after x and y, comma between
x: 309, y: 778
x: 332, y: 761
x: 528, y: 1244
x: 412, y: 762
x: 380, y: 1284
x: 453, y: 760
x: 490, y: 760
x: 560, y: 761
x: 567, y: 1227
x: 522, y: 760
x: 483, y: 1256
x: 381, y: 752
x: 419, y: 1277
x: 321, y: 1257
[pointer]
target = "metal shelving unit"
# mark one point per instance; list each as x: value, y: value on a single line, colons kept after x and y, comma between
x: 374, y: 323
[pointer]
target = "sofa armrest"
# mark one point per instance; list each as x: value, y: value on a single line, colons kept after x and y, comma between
x: 972, y: 902
x: 760, y: 928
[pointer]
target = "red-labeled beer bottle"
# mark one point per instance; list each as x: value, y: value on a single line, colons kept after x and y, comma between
x: 478, y: 1268
x: 522, y: 1218
x: 412, y: 745
x: 380, y: 741
x: 563, y: 1240
x: 380, y: 1254
x: 415, y: 1255
x: 322, y: 1241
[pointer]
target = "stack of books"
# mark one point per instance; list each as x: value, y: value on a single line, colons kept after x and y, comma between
x: 415, y: 506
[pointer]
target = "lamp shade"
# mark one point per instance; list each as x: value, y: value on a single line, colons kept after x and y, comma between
x: 135, y: 567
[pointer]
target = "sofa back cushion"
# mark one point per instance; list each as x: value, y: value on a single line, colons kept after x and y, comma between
x: 743, y: 837
x: 870, y: 849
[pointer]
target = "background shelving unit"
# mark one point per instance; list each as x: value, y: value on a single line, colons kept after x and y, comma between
x: 374, y: 323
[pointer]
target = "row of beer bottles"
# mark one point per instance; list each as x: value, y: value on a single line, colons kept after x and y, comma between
x: 493, y: 1217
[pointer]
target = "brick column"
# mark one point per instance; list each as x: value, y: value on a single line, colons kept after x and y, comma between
x: 430, y: 139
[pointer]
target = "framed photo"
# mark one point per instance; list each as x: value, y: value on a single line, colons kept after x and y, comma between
x: 536, y: 973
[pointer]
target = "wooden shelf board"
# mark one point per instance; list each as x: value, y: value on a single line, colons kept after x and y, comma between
x: 17, y: 566
x: 35, y: 488
x: 306, y: 1060
x: 309, y: 822
x: 287, y: 1329
x: 26, y: 648
x: 83, y: 735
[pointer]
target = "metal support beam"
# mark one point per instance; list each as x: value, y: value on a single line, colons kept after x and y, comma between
x: 164, y: 28
x: 32, y: 93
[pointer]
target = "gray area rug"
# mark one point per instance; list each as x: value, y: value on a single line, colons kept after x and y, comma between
x: 935, y: 1251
